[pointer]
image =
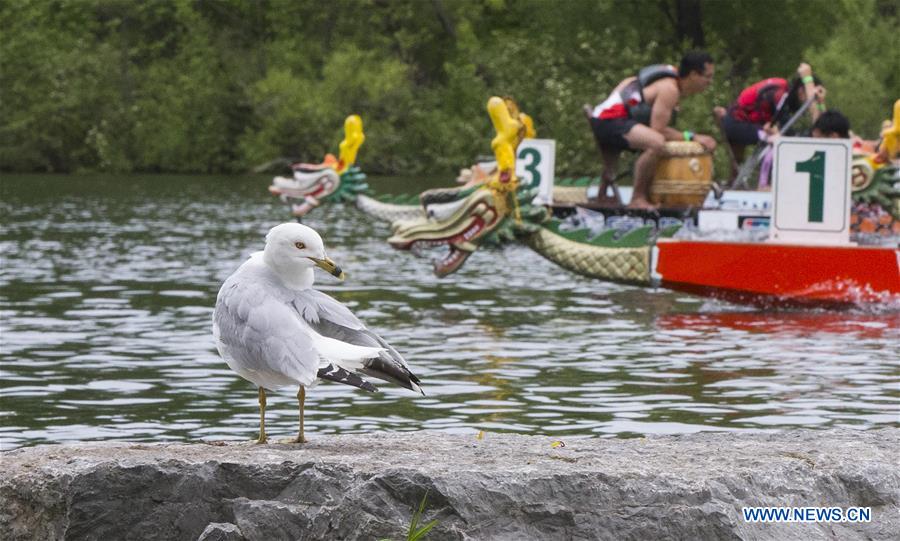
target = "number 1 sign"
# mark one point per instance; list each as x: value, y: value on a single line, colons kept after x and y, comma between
x: 811, y: 184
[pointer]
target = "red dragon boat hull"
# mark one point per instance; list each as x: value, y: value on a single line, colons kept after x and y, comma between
x: 780, y: 274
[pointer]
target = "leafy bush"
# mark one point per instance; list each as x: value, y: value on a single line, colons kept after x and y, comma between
x: 204, y: 86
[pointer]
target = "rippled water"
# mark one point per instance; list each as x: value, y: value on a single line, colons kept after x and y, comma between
x: 108, y: 286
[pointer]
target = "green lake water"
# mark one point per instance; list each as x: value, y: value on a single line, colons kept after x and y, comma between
x: 108, y: 284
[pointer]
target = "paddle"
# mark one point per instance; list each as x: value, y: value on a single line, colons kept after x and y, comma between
x: 742, y: 179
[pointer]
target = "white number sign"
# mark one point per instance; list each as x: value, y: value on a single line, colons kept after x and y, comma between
x: 811, y: 190
x: 535, y: 165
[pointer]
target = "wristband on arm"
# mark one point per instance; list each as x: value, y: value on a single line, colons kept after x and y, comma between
x: 688, y: 135
x: 808, y: 79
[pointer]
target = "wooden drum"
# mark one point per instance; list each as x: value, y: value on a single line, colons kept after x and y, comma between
x: 683, y: 175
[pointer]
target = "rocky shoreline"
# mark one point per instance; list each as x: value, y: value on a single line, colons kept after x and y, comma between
x: 500, y: 487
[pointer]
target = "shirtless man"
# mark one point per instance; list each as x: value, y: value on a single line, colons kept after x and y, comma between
x: 636, y: 116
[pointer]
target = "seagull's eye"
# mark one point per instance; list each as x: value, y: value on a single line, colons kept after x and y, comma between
x: 299, y: 245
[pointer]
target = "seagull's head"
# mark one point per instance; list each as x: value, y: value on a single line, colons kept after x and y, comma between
x: 292, y: 248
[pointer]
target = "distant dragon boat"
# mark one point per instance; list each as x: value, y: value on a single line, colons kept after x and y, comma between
x: 784, y: 254
x: 336, y: 180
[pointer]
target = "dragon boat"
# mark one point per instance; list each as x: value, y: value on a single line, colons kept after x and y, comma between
x: 687, y: 255
x: 682, y: 187
x: 338, y: 180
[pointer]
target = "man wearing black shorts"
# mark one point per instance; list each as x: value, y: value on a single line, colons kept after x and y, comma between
x: 636, y: 116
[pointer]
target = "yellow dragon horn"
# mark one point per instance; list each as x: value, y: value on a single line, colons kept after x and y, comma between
x: 353, y: 139
x: 890, y: 137
x: 529, y: 126
x: 504, y: 144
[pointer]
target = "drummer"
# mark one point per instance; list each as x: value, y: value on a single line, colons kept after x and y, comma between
x: 636, y: 116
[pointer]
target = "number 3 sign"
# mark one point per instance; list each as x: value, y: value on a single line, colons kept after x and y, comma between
x: 535, y: 164
x: 811, y: 184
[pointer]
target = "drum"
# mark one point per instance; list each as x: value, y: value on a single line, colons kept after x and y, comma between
x: 683, y: 175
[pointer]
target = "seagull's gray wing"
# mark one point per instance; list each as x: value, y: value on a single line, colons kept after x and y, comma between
x: 259, y: 336
x: 330, y: 318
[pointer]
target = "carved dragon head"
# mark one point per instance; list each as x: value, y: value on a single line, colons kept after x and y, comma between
x: 464, y: 220
x: 876, y: 182
x: 335, y: 179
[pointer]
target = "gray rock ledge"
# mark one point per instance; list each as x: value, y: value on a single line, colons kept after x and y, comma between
x: 501, y: 487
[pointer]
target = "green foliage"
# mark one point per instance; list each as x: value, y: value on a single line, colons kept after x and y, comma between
x: 417, y: 532
x: 224, y: 85
x: 766, y: 38
x: 50, y: 87
x: 861, y: 68
x: 304, y: 116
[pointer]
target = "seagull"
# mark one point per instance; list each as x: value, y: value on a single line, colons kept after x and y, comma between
x: 275, y: 330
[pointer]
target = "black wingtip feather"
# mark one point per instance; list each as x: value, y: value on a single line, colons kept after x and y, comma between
x: 340, y: 375
x: 378, y: 367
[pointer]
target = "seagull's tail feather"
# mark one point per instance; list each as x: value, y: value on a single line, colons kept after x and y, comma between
x: 347, y: 355
x: 341, y: 375
x: 383, y: 369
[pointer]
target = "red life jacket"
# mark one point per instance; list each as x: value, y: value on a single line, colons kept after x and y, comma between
x: 758, y: 102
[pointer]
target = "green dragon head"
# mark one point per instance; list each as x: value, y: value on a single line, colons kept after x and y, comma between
x: 333, y: 180
x: 879, y: 186
x: 464, y: 220
x: 876, y: 182
x: 479, y: 216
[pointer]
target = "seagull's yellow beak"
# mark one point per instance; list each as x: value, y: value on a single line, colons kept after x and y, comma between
x: 329, y: 266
